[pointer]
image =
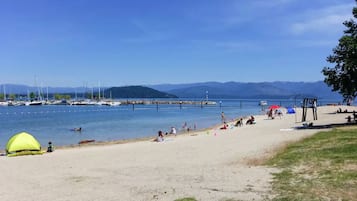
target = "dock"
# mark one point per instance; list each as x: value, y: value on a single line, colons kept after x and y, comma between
x: 167, y: 102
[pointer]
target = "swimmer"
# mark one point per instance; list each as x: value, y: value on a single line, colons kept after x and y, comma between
x: 77, y: 129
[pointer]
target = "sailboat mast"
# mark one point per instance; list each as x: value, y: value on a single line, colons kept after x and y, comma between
x: 4, y: 93
x: 98, y: 90
x: 41, y: 92
x: 47, y: 94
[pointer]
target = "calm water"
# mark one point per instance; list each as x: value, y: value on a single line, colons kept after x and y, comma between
x: 103, y: 123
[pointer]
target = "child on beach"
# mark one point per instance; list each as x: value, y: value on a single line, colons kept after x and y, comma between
x: 50, y: 147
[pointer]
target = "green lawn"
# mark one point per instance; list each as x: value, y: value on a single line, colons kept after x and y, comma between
x: 322, y: 167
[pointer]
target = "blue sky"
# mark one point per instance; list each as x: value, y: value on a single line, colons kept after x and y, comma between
x: 140, y: 42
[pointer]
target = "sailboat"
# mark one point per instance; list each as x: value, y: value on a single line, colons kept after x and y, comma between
x: 36, y: 102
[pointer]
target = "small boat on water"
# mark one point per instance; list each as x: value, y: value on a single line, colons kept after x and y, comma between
x: 82, y: 102
x: 109, y: 103
x: 60, y: 102
x: 2, y: 103
x: 263, y: 103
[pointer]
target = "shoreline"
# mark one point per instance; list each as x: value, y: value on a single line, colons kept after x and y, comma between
x: 151, y: 138
x: 179, y: 134
x: 123, y: 141
x: 134, y: 140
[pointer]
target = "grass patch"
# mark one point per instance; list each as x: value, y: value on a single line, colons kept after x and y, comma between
x: 321, y: 167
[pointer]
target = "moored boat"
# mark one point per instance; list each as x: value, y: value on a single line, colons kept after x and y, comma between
x: 4, y: 103
x: 263, y: 103
x: 33, y: 103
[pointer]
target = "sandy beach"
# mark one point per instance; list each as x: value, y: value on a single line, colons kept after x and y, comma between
x: 209, y: 165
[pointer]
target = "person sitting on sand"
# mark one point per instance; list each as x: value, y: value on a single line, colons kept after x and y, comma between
x: 239, y: 122
x: 349, y: 119
x: 279, y: 113
x: 173, y: 130
x: 225, y: 126
x: 160, y: 137
x: 251, y: 120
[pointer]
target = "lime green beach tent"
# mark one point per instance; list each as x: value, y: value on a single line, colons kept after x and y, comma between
x: 23, y: 144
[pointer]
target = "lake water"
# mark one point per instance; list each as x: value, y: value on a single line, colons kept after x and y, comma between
x: 103, y: 123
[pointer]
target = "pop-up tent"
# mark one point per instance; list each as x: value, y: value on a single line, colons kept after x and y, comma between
x: 290, y: 110
x: 22, y: 144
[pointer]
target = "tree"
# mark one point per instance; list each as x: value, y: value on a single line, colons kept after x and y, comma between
x: 32, y: 95
x: 62, y: 97
x: 12, y: 96
x: 343, y: 77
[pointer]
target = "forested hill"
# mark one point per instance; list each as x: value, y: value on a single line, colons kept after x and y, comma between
x: 136, y: 92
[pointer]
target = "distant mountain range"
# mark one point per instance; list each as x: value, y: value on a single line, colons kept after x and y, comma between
x: 250, y: 90
x: 237, y: 90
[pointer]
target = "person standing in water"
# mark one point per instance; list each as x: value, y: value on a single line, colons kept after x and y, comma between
x: 223, y: 117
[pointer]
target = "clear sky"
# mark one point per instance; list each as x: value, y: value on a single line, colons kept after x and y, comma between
x: 139, y: 42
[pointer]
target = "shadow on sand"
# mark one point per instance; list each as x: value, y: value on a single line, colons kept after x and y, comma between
x: 336, y: 125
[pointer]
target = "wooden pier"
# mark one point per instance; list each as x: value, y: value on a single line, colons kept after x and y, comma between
x: 166, y: 102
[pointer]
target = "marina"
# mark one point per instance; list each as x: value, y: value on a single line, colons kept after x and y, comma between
x: 106, y: 102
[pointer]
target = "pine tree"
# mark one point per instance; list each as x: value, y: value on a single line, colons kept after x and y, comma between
x: 343, y: 77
